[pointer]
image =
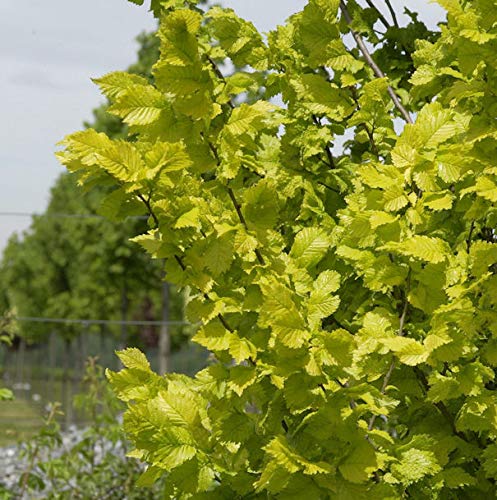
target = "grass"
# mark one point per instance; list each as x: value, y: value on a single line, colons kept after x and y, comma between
x: 19, y: 420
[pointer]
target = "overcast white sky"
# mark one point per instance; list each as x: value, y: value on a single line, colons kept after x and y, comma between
x: 49, y: 50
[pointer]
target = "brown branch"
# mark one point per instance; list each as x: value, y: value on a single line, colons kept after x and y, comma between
x: 235, y: 202
x: 224, y: 322
x: 327, y: 186
x: 237, y: 207
x: 180, y: 262
x: 221, y: 318
x: 156, y: 220
x: 376, y: 69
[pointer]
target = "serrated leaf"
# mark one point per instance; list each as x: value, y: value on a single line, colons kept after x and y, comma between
x: 241, y: 377
x: 134, y: 358
x: 425, y: 248
x: 117, y: 83
x: 395, y: 198
x: 486, y: 188
x: 439, y: 201
x: 247, y: 119
x: 241, y: 349
x: 213, y: 336
x: 409, y: 351
x: 310, y: 246
x: 191, y: 218
x: 139, y: 105
x: 415, y: 465
x: 279, y: 312
x: 490, y: 461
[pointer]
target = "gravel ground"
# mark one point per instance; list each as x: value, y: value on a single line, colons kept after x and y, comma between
x: 12, y: 465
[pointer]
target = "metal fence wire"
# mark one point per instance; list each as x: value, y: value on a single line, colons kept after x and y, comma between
x: 52, y: 370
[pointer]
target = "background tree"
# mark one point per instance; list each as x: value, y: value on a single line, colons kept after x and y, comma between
x: 72, y: 263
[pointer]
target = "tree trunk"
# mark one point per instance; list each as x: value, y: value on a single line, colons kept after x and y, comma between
x: 164, y: 335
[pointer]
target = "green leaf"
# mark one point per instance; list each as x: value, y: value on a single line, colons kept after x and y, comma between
x: 248, y: 119
x: 139, y: 105
x: 490, y: 461
x: 409, y: 351
x: 414, y: 465
x: 134, y: 358
x: 241, y: 349
x: 310, y: 246
x: 280, y: 313
x: 241, y: 377
x: 425, y: 248
x: 116, y: 84
x: 191, y: 218
x: 359, y: 464
x: 6, y: 394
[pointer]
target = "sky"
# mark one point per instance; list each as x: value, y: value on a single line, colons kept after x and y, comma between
x: 49, y: 50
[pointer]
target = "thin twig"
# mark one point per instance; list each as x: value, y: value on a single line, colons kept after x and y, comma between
x: 180, y: 262
x: 149, y: 208
x: 381, y: 17
x: 221, y: 318
x: 370, y: 133
x: 327, y: 149
x: 392, y: 13
x: 376, y: 69
x: 238, y: 209
x: 400, y: 333
x: 440, y: 405
x: 470, y: 235
x: 225, y: 323
x: 156, y: 220
x: 237, y: 205
x: 218, y: 73
x: 327, y: 186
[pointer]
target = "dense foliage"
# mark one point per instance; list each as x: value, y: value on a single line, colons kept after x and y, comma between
x: 348, y: 293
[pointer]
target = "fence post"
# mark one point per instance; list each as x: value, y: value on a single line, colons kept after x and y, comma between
x: 164, y: 335
x: 52, y: 358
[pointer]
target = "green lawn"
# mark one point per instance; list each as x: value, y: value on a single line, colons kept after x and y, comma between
x: 18, y: 420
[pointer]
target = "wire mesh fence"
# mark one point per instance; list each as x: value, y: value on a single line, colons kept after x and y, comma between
x: 52, y: 370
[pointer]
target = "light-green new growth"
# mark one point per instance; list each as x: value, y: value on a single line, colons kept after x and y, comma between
x: 348, y: 293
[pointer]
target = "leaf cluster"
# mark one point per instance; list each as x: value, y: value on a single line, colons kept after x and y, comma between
x: 342, y: 266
